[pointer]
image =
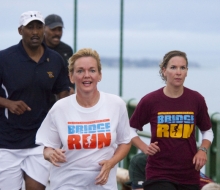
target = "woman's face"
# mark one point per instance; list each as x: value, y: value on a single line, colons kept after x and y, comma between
x: 176, y: 71
x: 86, y: 75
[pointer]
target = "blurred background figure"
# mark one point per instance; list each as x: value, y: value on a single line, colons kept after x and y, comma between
x: 52, y: 35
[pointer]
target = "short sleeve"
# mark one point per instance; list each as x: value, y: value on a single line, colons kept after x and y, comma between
x: 62, y: 81
x: 141, y: 114
x: 1, y: 69
x: 123, y: 128
x: 203, y: 120
x: 47, y: 135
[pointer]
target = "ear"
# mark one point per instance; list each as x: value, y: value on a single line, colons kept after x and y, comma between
x: 186, y: 71
x: 71, y: 78
x: 100, y: 77
x: 46, y: 28
x: 164, y: 71
x: 20, y: 30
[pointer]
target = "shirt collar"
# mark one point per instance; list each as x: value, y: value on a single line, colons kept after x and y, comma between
x: 25, y: 56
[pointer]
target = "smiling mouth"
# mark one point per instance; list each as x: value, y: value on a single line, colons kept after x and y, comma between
x: 56, y: 38
x: 87, y: 82
x: 35, y: 39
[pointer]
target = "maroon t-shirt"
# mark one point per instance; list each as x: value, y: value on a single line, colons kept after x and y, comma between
x: 173, y: 122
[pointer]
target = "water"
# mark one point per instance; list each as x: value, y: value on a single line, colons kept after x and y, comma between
x: 139, y: 81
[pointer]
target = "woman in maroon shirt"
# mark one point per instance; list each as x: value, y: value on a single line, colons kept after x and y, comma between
x: 173, y: 112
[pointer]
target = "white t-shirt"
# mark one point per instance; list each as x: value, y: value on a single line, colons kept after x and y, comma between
x: 89, y: 135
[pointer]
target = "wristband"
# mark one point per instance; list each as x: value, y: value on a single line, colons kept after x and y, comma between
x: 203, y: 149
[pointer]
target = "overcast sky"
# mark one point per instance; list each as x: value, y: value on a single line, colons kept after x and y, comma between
x: 151, y: 27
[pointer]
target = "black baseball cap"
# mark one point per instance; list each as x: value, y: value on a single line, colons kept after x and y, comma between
x: 53, y: 21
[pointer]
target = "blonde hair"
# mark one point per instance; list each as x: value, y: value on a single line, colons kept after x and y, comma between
x: 167, y: 58
x: 85, y: 52
x: 211, y: 186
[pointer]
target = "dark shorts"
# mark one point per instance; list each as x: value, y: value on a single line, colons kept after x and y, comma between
x: 167, y: 185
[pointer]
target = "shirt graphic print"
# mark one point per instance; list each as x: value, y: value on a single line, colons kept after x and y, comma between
x: 89, y: 135
x: 175, y: 124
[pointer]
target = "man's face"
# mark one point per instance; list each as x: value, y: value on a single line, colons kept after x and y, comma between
x: 32, y: 34
x: 53, y: 36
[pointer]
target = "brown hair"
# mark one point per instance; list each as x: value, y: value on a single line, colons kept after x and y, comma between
x: 167, y: 58
x: 85, y: 52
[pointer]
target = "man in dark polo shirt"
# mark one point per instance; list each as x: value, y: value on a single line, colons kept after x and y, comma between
x: 29, y: 72
x: 52, y: 35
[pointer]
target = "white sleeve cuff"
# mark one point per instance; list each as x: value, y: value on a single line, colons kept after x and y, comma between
x: 208, y: 135
x: 133, y: 132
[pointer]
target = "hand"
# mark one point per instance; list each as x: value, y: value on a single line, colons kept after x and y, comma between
x: 102, y: 178
x: 17, y: 107
x: 54, y: 155
x: 199, y: 160
x: 152, y: 148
